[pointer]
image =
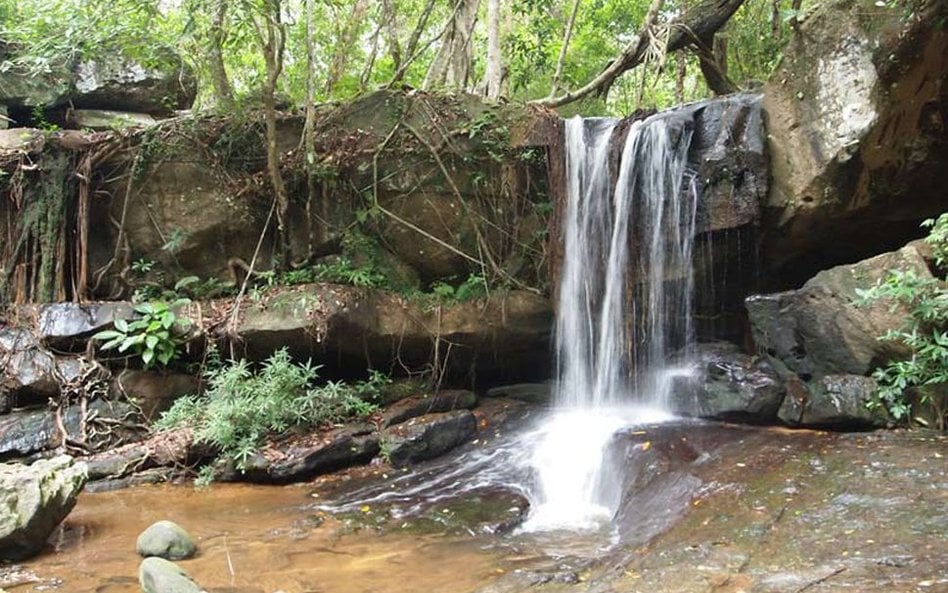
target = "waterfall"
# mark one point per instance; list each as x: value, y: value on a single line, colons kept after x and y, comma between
x: 624, y: 302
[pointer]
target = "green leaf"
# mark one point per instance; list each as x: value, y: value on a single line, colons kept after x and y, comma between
x: 121, y: 325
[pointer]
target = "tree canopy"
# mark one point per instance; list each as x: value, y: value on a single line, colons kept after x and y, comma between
x: 591, y: 56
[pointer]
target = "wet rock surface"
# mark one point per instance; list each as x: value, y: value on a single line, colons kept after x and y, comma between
x: 34, y: 499
x: 426, y: 436
x: 443, y: 401
x: 157, y: 575
x: 727, y: 384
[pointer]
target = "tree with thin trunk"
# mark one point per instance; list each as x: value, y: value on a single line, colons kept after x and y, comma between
x: 493, y: 75
x: 220, y: 81
x: 567, y: 36
x: 266, y: 17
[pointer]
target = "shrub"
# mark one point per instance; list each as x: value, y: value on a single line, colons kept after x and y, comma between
x: 925, y: 331
x: 242, y: 407
x: 155, y: 336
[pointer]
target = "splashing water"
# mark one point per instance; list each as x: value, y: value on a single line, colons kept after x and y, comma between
x: 624, y: 302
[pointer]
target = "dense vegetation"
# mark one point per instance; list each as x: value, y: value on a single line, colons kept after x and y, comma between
x: 314, y: 50
x: 907, y: 385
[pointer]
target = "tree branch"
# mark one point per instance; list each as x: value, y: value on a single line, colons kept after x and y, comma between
x: 700, y: 22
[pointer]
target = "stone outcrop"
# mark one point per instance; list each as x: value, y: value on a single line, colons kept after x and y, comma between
x: 506, y: 335
x: 34, y: 499
x: 820, y: 330
x: 856, y: 118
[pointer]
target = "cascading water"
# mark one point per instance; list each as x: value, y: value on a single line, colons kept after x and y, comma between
x: 624, y: 302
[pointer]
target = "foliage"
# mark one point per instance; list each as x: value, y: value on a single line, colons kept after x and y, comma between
x: 241, y: 407
x: 474, y: 287
x: 925, y: 331
x: 155, y: 336
x: 363, y: 45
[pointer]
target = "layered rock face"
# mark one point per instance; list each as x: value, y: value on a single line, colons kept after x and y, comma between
x: 856, y: 125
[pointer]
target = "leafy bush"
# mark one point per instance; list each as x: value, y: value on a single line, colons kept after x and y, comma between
x: 241, y: 407
x: 155, y: 336
x: 925, y: 330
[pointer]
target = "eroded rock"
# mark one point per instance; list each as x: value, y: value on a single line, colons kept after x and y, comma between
x: 840, y: 401
x: 443, y: 401
x: 34, y: 499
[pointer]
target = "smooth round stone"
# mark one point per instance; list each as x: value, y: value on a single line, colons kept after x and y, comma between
x: 165, y: 539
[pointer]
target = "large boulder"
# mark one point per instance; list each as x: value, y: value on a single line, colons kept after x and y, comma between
x: 34, y: 499
x: 505, y: 336
x: 25, y: 433
x: 724, y: 383
x: 856, y: 123
x: 819, y: 329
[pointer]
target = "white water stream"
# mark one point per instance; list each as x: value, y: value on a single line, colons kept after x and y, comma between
x: 624, y: 301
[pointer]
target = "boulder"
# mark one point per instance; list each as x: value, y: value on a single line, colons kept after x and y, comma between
x: 31, y: 375
x: 819, y: 330
x: 19, y: 88
x: 118, y: 83
x: 724, y: 383
x: 443, y: 401
x: 157, y: 575
x: 426, y: 437
x: 165, y: 539
x: 855, y: 119
x: 505, y: 336
x: 835, y: 401
x: 34, y: 499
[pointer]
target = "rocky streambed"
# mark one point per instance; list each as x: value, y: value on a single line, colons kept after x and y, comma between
x: 708, y: 507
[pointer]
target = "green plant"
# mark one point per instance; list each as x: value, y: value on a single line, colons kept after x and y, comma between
x: 925, y: 331
x: 241, y: 407
x: 155, y: 336
x: 474, y: 287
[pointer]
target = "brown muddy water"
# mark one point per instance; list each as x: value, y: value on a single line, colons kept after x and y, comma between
x: 250, y: 539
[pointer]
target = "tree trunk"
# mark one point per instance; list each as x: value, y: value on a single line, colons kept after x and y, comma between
x: 712, y: 56
x: 567, y: 35
x: 493, y: 75
x: 272, y: 39
x: 451, y: 67
x: 346, y: 37
x: 223, y: 92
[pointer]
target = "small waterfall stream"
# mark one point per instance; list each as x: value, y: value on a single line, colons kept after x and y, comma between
x: 624, y: 302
